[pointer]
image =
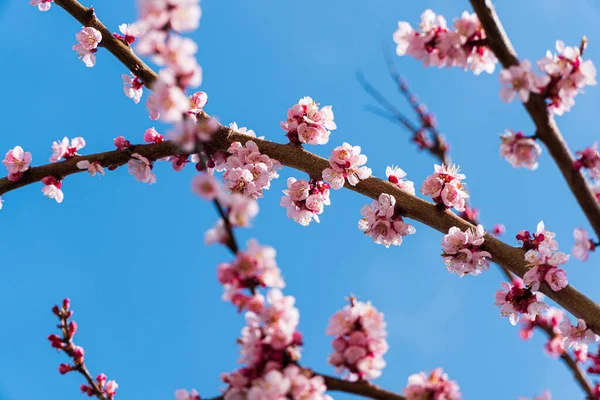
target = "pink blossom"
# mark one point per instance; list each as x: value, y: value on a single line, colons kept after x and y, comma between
x: 359, y: 343
x: 168, y: 100
x: 52, y: 188
x: 462, y: 252
x: 518, y: 300
x: 197, y: 102
x: 141, y: 168
x: 111, y: 389
x: 129, y: 33
x: 216, y: 234
x: 577, y: 337
x: 92, y: 167
x: 383, y: 222
x: 435, y: 386
x: 542, y: 239
x: 499, y: 230
x: 445, y: 187
x: 179, y: 15
x: 590, y: 160
x: 396, y: 176
x: 583, y: 244
x: 183, y: 394
x: 305, y: 200
x: 308, y: 124
x: 153, y: 108
x: 89, y: 38
x: 121, y: 143
x: 17, y: 161
x: 205, y: 186
x: 544, y: 269
x: 522, y: 82
x: 63, y: 150
x: 519, y: 150
x: 345, y: 162
x: 43, y: 5
x: 133, y: 87
x: 178, y: 54
x: 152, y: 136
x: 240, y: 209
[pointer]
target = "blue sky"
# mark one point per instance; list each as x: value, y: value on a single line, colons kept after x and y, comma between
x: 131, y: 257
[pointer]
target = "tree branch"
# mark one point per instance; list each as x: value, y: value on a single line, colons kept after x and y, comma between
x: 547, y: 130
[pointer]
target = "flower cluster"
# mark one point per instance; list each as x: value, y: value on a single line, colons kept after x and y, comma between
x: 577, y: 336
x: 359, y: 343
x: 240, y: 210
x: 550, y: 321
x: 52, y: 188
x: 306, y: 123
x: 435, y: 386
x: 248, y: 171
x: 590, y: 160
x: 583, y: 244
x: 62, y: 149
x: 462, y: 252
x: 516, y: 300
x: 101, y: 388
x: 383, y: 222
x: 305, y: 200
x: 345, y: 162
x: 437, y: 45
x: 544, y: 259
x: 89, y: 39
x: 568, y: 74
x: 445, y: 187
x: 396, y: 176
x: 17, y: 161
x: 42, y: 5
x: 521, y: 82
x: 162, y: 15
x: 520, y: 150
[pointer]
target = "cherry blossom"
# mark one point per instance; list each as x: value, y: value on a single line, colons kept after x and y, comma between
x: 92, y: 167
x: 522, y: 82
x: 42, y: 5
x: 445, y: 187
x: 583, y: 244
x: 518, y: 300
x: 133, y: 87
x: 435, y: 386
x: 462, y: 252
x: 178, y: 54
x: 179, y: 15
x: 345, y: 162
x: 577, y: 337
x: 197, y: 102
x: 359, y: 344
x: 382, y: 221
x: 519, y: 150
x: 17, y: 161
x: 141, y: 168
x: 590, y: 160
x: 169, y: 101
x: 308, y: 124
x: 121, y: 143
x: 437, y: 45
x: 544, y: 268
x: 205, y: 186
x: 544, y: 396
x: 243, y: 130
x: 129, y: 33
x: 542, y: 239
x: 152, y: 136
x: 52, y: 188
x: 240, y: 209
x: 62, y: 149
x: 305, y: 200
x: 396, y: 176
x: 89, y: 39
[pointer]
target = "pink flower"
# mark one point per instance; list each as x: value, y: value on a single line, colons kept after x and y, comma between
x: 396, y: 176
x: 462, y: 253
x: 151, y: 136
x: 521, y: 80
x: 197, y: 102
x: 92, y: 167
x: 240, y: 209
x: 517, y: 300
x: 52, y: 188
x: 304, y: 200
x: 519, y: 150
x: 183, y: 394
x: 43, y: 5
x: 179, y: 15
x: 129, y: 33
x: 544, y: 269
x: 435, y: 386
x: 499, y: 230
x: 590, y: 160
x: 205, y: 186
x: 168, y: 100
x: 583, y: 244
x: 141, y: 169
x: 306, y: 123
x: 89, y: 38
x: 243, y: 130
x: 578, y: 337
x: 17, y: 161
x: 111, y: 389
x: 543, y: 239
x: 121, y: 143
x: 445, y: 187
x: 133, y: 87
x: 383, y: 223
x: 178, y: 54
x: 345, y: 162
x: 63, y: 150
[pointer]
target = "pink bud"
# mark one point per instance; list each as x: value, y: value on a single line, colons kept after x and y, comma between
x: 66, y: 303
x: 72, y: 328
x: 87, y: 390
x: 101, y: 378
x: 64, y: 368
x: 78, y: 354
x: 121, y: 142
x: 55, y: 310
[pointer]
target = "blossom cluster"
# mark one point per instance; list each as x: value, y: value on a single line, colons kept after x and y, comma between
x: 383, y: 222
x: 307, y: 123
x: 445, y: 187
x: 248, y: 171
x: 462, y: 253
x: 543, y: 258
x: 89, y: 39
x: 305, y: 200
x: 520, y: 150
x: 101, y: 387
x: 550, y: 320
x: 437, y: 45
x: 65, y: 150
x: 435, y: 386
x: 360, y: 341
x: 517, y: 300
x: 346, y: 164
x: 578, y: 337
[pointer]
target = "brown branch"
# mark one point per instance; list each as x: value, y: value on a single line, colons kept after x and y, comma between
x: 547, y: 130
